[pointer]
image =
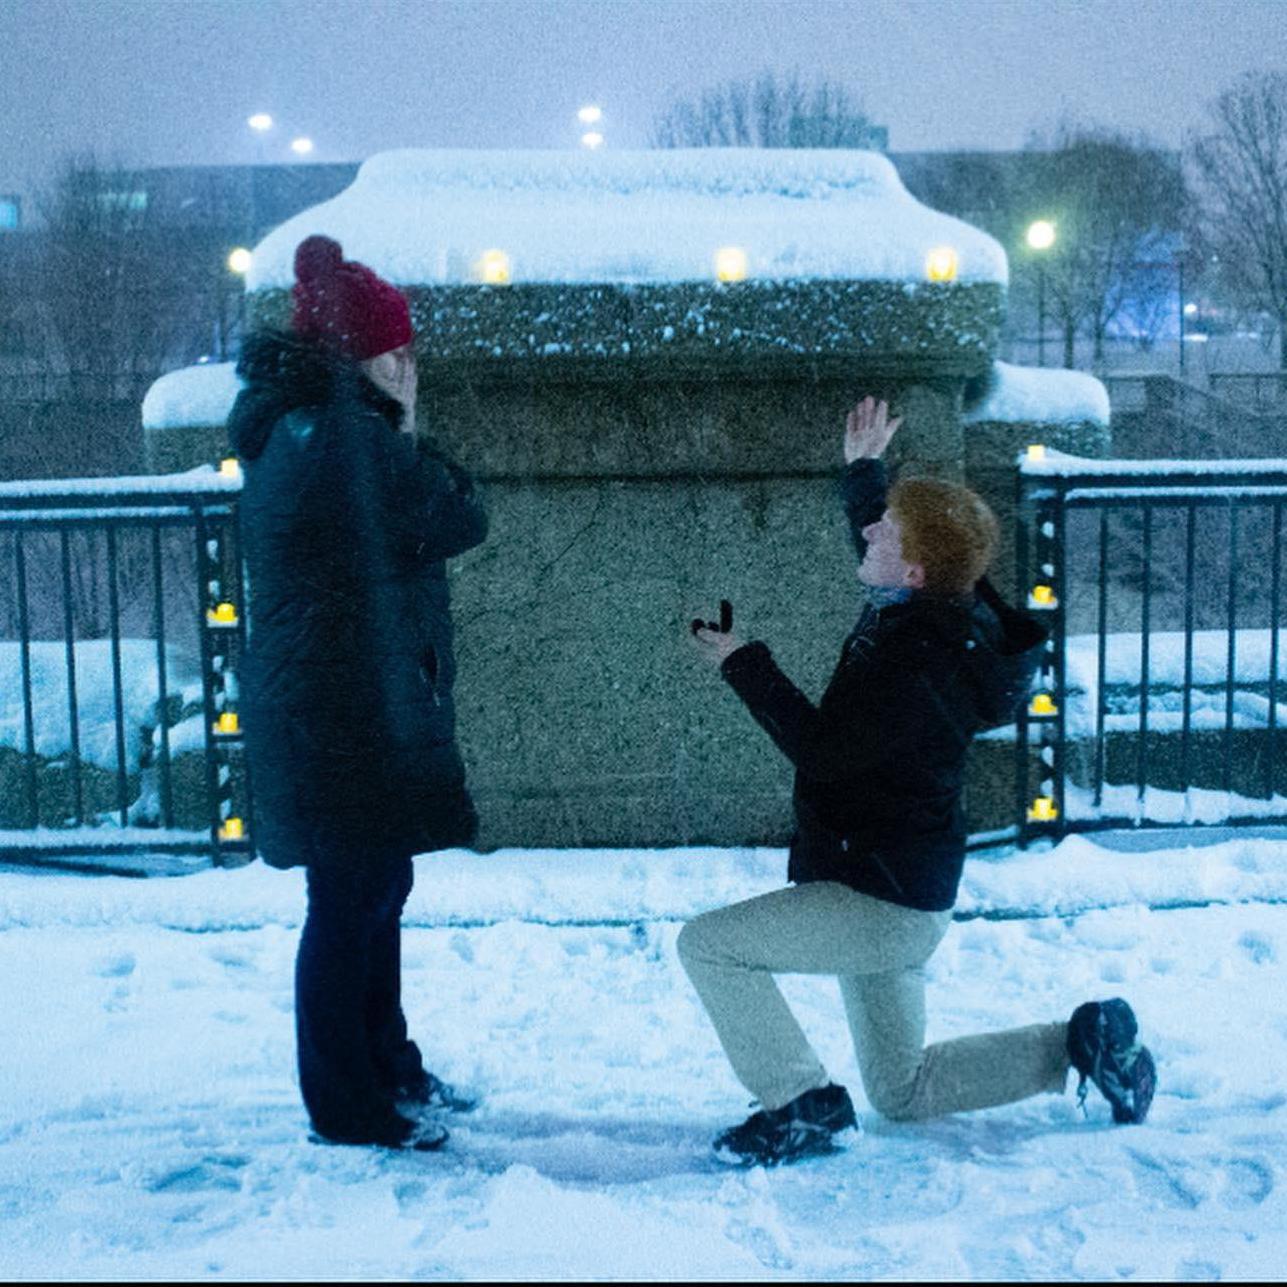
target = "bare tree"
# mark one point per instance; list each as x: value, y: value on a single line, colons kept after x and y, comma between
x: 762, y: 111
x: 1118, y: 203
x: 115, y: 292
x: 978, y: 187
x: 1240, y: 168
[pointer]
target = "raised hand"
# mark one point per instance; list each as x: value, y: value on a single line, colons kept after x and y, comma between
x: 868, y: 430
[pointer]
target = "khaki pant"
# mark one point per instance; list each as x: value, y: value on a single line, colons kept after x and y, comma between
x: 878, y: 950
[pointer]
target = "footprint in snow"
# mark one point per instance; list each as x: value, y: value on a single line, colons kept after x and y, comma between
x: 1169, y: 1182
x: 1247, y: 1183
x: 1240, y: 1183
x: 1197, y: 1271
x: 116, y: 966
x: 217, y: 1173
x: 1258, y: 948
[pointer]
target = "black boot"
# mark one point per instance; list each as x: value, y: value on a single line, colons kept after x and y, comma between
x: 1103, y: 1046
x: 427, y: 1093
x: 803, y: 1128
x: 397, y: 1132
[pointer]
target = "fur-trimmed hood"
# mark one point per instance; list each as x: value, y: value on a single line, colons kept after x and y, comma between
x: 282, y: 373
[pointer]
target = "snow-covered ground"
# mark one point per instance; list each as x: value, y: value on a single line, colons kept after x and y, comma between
x: 150, y: 1127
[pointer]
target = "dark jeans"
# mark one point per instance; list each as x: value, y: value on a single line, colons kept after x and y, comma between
x: 354, y: 1055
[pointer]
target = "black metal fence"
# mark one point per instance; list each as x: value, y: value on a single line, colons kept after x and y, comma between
x: 1158, y: 703
x: 120, y: 638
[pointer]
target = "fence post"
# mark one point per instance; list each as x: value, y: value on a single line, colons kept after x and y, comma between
x: 1040, y: 575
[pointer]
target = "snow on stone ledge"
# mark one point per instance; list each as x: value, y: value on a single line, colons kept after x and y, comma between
x: 193, y: 397
x: 1040, y: 395
x: 427, y: 217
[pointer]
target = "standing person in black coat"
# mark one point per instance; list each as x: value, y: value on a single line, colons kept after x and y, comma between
x: 347, y: 516
x: 880, y: 838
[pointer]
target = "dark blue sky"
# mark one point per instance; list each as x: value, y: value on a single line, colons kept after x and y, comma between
x: 172, y: 81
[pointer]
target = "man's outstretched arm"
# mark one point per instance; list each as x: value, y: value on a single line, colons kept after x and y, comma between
x: 868, y: 431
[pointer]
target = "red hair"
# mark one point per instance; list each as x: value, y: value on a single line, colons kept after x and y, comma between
x: 946, y: 528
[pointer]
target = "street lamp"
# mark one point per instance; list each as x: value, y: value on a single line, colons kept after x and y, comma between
x: 1041, y: 236
x: 301, y: 146
x: 591, y: 116
x: 239, y: 261
x: 260, y: 122
x: 1180, y: 249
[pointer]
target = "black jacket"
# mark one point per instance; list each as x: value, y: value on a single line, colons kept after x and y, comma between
x: 880, y: 761
x: 347, y: 701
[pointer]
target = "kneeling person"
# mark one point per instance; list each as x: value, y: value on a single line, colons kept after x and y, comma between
x: 880, y: 839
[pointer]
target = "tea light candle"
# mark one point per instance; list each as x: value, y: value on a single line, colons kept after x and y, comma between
x: 233, y: 829
x: 223, y: 614
x: 1043, y: 810
x: 493, y: 268
x: 1043, y: 704
x: 941, y: 264
x: 730, y: 264
x: 227, y: 724
x: 1043, y: 596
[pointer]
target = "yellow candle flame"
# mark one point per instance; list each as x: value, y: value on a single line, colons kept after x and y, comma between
x: 224, y: 614
x: 730, y: 264
x: 1043, y: 810
x: 1043, y: 704
x: 493, y: 268
x: 228, y: 723
x: 941, y: 264
x: 1044, y: 596
x: 232, y: 829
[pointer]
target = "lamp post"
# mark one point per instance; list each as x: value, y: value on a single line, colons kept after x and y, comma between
x: 239, y: 261
x: 1041, y: 236
x: 591, y: 117
x: 261, y: 123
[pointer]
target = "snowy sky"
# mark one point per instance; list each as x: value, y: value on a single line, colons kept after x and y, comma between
x: 172, y: 81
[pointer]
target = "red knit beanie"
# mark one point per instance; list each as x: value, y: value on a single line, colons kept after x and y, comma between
x: 344, y: 305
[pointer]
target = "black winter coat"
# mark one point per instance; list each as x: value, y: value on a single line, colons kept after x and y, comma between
x: 347, y: 683
x: 880, y: 761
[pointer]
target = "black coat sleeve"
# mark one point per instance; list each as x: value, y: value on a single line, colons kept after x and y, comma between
x: 862, y: 492
x: 425, y: 505
x: 872, y: 716
x: 455, y: 519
